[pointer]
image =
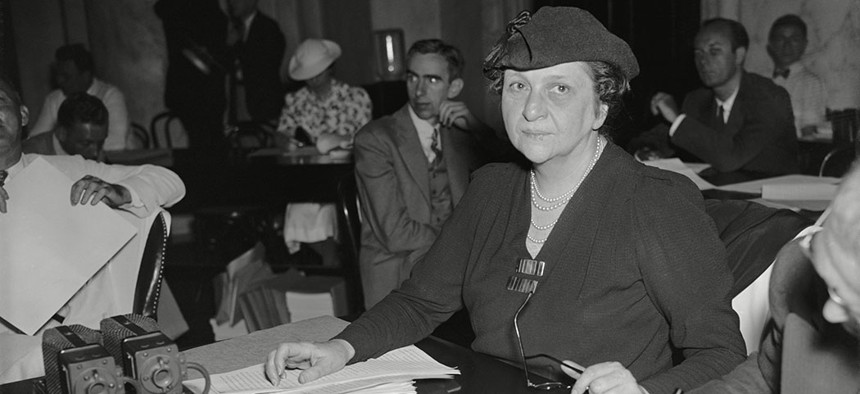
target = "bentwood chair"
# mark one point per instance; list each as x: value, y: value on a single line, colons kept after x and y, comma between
x: 151, y: 273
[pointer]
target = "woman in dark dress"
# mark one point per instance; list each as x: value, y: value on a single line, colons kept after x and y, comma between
x: 605, y: 262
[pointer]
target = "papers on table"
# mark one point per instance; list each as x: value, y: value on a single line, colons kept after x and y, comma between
x: 49, y: 248
x: 809, y: 192
x: 394, y: 369
x: 690, y: 170
x: 789, y: 191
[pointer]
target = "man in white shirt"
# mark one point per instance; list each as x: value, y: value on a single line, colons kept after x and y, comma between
x: 137, y: 192
x: 82, y: 124
x: 786, y: 44
x: 74, y: 74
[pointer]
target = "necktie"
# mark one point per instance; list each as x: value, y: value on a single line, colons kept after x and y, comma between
x: 3, y: 175
x: 720, y: 115
x: 781, y: 73
x: 436, y: 145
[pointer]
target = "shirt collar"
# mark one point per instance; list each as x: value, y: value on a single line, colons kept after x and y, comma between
x: 418, y: 122
x: 729, y: 103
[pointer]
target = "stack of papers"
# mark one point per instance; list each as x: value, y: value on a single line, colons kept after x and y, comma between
x: 392, y: 372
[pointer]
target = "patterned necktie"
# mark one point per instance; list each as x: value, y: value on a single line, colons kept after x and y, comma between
x: 436, y: 145
x: 3, y: 175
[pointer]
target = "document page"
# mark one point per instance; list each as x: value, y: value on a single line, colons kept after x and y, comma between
x: 49, y: 248
x: 676, y: 165
x: 399, y: 365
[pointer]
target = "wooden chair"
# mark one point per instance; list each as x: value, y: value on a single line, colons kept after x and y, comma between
x: 349, y: 225
x: 837, y: 162
x: 161, y: 127
x: 139, y: 136
x: 151, y: 273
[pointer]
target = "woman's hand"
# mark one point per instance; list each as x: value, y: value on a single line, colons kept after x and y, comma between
x: 316, y: 359
x: 609, y: 377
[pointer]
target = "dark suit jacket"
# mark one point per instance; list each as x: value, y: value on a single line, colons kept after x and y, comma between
x: 394, y: 190
x: 801, y: 352
x: 42, y: 144
x: 261, y: 57
x: 759, y: 136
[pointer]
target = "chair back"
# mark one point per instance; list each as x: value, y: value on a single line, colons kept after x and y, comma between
x: 837, y: 162
x: 161, y: 129
x: 139, y: 137
x: 151, y: 273
x: 349, y: 223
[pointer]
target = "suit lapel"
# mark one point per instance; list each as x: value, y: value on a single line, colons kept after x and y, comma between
x: 411, y: 152
x: 736, y: 117
x: 456, y: 161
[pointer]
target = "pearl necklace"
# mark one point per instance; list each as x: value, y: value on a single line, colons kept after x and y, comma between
x: 562, y: 200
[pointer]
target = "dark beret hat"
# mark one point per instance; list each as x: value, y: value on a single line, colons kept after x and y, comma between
x: 555, y: 35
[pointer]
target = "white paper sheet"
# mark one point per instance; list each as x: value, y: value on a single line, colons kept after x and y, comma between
x: 755, y: 186
x: 48, y: 247
x: 676, y: 165
x: 399, y: 365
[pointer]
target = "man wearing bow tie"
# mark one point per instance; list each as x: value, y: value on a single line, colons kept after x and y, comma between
x: 739, y: 121
x: 786, y: 44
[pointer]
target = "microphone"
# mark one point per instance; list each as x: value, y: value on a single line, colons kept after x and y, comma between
x: 75, y: 362
x: 146, y: 354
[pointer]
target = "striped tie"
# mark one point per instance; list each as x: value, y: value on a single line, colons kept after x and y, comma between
x: 436, y: 145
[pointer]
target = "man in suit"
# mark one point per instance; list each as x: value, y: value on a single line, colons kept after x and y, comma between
x: 255, y: 49
x: 739, y: 121
x: 82, y: 124
x: 413, y: 166
x: 812, y: 344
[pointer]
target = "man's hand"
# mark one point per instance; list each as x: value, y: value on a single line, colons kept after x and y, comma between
x: 664, y: 104
x: 3, y: 197
x: 610, y: 377
x: 457, y: 113
x: 91, y: 189
x: 316, y: 359
x: 326, y: 142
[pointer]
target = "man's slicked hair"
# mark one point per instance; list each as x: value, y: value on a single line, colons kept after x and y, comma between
x: 451, y: 54
x: 737, y: 33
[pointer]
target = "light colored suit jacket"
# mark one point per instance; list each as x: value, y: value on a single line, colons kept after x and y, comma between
x: 394, y: 189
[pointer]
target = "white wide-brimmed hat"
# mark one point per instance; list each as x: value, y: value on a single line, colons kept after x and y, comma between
x: 312, y: 57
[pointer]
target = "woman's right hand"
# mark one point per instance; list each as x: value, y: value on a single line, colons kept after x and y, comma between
x: 315, y: 359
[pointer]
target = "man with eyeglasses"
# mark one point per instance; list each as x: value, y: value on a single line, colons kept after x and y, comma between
x: 812, y: 345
